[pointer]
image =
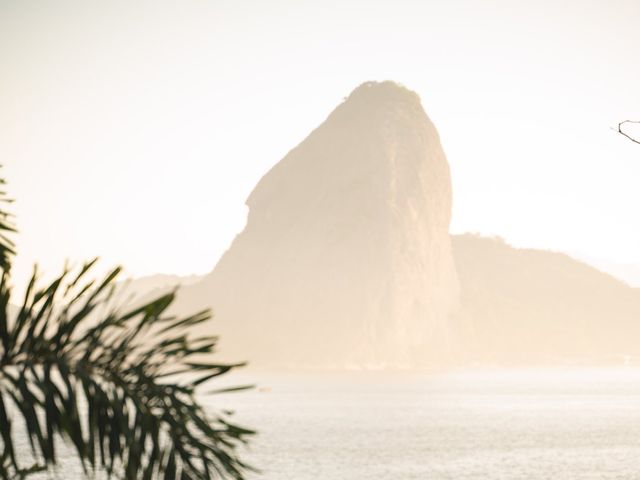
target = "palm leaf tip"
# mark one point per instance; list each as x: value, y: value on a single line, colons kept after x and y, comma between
x: 7, y: 227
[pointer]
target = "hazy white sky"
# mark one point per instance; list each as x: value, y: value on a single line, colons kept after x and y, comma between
x: 135, y: 130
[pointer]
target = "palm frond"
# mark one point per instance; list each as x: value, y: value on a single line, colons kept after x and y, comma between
x: 7, y: 247
x: 119, y: 386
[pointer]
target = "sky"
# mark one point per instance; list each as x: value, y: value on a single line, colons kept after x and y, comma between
x: 135, y: 130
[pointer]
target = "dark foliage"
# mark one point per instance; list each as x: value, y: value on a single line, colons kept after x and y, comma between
x: 119, y: 387
x: 6, y: 227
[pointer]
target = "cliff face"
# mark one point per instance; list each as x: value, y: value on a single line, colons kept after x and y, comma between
x: 346, y: 259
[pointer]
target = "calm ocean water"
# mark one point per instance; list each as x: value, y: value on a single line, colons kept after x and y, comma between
x: 583, y: 424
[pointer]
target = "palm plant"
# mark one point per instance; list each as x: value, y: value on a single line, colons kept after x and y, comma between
x: 118, y: 386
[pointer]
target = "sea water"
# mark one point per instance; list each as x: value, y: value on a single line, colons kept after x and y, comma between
x: 517, y: 424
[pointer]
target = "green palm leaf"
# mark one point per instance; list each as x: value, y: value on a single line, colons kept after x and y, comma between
x: 7, y: 248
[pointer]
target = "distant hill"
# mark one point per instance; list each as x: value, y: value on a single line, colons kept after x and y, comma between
x: 627, y: 272
x: 157, y: 284
x: 523, y: 306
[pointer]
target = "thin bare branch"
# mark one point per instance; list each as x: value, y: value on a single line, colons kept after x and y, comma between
x: 622, y: 132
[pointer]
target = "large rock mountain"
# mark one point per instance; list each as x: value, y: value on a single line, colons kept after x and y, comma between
x: 346, y: 261
x: 346, y: 257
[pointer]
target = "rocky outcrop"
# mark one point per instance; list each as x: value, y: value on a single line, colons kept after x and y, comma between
x: 346, y: 259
